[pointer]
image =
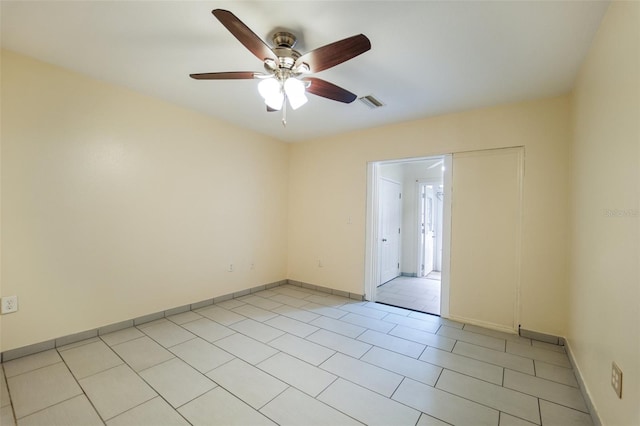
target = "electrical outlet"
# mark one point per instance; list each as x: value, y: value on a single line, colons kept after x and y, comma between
x: 9, y: 304
x: 616, y: 379
x: 320, y: 265
x: 230, y: 269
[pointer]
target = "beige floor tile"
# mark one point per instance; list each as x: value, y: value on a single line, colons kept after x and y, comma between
x: 327, y: 360
x: 296, y: 313
x: 474, y: 338
x: 424, y: 337
x: 403, y: 365
x: 155, y: 412
x: 208, y: 329
x: 324, y: 310
x: 220, y: 315
x: 115, y: 391
x: 545, y: 389
x: 41, y: 388
x: 338, y: 326
x: 305, y: 350
x: 426, y: 420
x: 362, y: 373
x: 252, y: 385
x: 4, y: 392
x: 184, y: 317
x: 177, y: 382
x: 556, y: 373
x: 465, y: 365
x: 121, y: 336
x: 291, y: 326
x: 253, y: 312
x: 538, y: 353
x: 219, y: 407
x: 340, y: 343
x: 31, y: 362
x: 6, y: 416
x: 306, y: 377
x: 167, y: 333
x: 392, y: 343
x: 257, y: 330
x: 494, y: 396
x: 443, y: 405
x: 246, y: 348
x: 416, y: 323
x: 261, y: 302
x: 509, y: 420
x: 294, y: 408
x: 368, y: 322
x: 201, y: 355
x: 502, y: 359
x: 142, y: 353
x: 90, y: 359
x: 557, y: 415
x: 367, y: 406
x: 75, y: 411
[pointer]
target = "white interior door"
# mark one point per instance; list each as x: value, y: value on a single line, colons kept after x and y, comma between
x: 485, y: 237
x: 428, y: 229
x: 389, y: 234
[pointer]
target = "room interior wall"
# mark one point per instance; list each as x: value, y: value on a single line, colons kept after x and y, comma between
x: 328, y: 187
x: 116, y: 205
x: 604, y: 321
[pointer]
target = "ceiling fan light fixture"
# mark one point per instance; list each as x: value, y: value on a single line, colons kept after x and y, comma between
x: 295, y: 91
x: 271, y: 91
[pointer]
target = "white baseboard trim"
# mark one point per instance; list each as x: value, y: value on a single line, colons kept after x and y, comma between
x: 583, y: 387
x: 484, y: 324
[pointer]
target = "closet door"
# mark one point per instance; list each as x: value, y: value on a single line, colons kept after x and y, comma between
x: 486, y: 214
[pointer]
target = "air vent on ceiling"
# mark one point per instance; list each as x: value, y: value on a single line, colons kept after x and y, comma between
x: 371, y: 101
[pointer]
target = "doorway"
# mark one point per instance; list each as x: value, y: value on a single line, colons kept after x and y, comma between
x: 417, y: 280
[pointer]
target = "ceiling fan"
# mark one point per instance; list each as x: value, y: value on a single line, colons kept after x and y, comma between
x: 286, y: 76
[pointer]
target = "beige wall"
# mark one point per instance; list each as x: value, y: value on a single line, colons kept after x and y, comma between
x: 328, y: 179
x: 604, y: 324
x: 116, y: 205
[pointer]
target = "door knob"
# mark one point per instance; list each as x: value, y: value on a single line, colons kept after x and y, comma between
x: 384, y: 240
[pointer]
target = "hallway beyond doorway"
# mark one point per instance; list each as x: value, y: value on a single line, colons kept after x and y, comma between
x: 419, y: 294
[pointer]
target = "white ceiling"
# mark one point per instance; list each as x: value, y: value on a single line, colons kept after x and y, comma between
x: 427, y: 58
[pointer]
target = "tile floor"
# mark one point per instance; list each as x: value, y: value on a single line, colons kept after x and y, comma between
x: 419, y: 294
x: 293, y: 356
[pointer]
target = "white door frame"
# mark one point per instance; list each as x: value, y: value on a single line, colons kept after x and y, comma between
x: 420, y: 252
x: 372, y: 246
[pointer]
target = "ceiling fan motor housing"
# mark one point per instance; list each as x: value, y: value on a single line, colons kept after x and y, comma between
x: 283, y: 48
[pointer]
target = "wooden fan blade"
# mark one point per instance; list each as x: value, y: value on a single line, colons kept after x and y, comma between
x: 244, y: 34
x: 235, y: 75
x: 335, y: 53
x: 328, y: 90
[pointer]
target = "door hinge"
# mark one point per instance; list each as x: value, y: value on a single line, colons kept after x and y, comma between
x: 400, y: 196
x: 398, y: 265
x: 398, y: 230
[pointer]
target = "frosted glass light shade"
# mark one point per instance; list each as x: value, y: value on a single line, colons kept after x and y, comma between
x: 271, y: 91
x: 294, y: 89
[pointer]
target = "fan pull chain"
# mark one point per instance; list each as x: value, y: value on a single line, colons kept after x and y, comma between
x: 284, y: 111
